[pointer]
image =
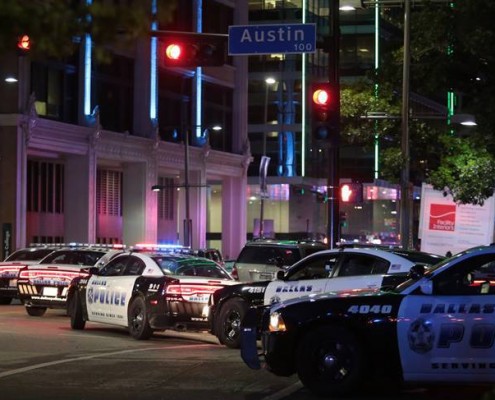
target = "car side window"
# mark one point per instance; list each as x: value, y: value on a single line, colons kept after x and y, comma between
x: 115, y: 267
x: 356, y: 264
x: 468, y: 278
x: 317, y: 268
x: 135, y: 266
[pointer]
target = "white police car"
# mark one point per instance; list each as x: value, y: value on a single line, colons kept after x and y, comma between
x: 45, y: 284
x: 439, y: 328
x: 10, y: 267
x: 146, y: 291
x: 337, y: 269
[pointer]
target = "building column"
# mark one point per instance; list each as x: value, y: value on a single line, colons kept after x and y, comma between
x: 234, y: 211
x: 80, y: 198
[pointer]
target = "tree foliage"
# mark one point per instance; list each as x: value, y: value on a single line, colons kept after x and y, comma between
x: 56, y: 26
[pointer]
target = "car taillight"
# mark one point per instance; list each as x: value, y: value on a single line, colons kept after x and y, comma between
x: 234, y: 273
x: 190, y: 289
x: 30, y: 274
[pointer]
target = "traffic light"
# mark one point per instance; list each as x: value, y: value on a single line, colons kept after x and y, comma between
x: 343, y: 219
x: 351, y: 192
x: 24, y: 43
x: 325, y: 110
x: 186, y: 50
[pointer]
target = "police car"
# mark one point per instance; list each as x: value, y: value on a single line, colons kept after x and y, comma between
x: 10, y: 267
x: 344, y: 268
x: 439, y: 328
x: 45, y: 284
x: 146, y: 291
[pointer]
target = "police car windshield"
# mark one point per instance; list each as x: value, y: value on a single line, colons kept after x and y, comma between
x: 191, y: 267
x: 28, y: 255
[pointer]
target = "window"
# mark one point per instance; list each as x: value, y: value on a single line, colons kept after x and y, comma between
x: 109, y: 192
x: 114, y: 267
x: 134, y: 267
x: 319, y: 268
x: 45, y: 187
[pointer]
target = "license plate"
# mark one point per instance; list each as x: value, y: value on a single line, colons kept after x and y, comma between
x: 50, y: 291
x: 13, y: 283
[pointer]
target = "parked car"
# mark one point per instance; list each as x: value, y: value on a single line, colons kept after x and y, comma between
x: 437, y: 328
x: 337, y: 269
x: 45, y: 284
x: 260, y: 260
x: 146, y: 292
x: 10, y: 267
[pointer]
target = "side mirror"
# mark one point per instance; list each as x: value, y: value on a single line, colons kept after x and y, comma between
x: 416, y: 272
x: 280, y: 275
x: 94, y: 270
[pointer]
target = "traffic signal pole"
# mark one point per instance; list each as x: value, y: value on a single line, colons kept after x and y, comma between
x: 333, y: 223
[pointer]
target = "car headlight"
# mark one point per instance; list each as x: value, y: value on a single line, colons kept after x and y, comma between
x: 277, y: 323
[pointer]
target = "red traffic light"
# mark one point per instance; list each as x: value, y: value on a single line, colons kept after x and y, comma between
x: 24, y: 43
x: 173, y: 51
x: 188, y: 50
x: 321, y: 97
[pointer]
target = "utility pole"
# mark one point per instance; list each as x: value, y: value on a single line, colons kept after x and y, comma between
x: 333, y: 149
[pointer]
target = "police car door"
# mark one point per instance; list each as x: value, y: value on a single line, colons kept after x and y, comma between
x: 359, y: 271
x: 309, y: 277
x: 105, y: 297
x: 449, y: 335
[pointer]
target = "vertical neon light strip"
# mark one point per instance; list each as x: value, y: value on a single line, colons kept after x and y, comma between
x: 199, y: 88
x: 303, y: 100
x: 153, y: 66
x: 87, y: 69
x: 377, y: 65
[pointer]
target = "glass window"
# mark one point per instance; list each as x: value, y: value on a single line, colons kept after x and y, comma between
x: 316, y: 268
x: 114, y: 267
x: 135, y: 266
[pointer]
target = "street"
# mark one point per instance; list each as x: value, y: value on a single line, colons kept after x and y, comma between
x: 42, y: 358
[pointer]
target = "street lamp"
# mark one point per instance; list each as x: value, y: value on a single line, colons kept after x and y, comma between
x: 268, y: 82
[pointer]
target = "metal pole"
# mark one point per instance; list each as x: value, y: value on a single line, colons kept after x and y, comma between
x: 188, y: 222
x: 333, y: 148
x: 262, y: 194
x: 405, y: 206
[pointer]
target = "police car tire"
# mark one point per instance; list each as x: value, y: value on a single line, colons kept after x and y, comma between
x: 5, y: 300
x: 229, y: 322
x: 139, y: 327
x: 319, y: 346
x: 36, y: 311
x: 75, y: 311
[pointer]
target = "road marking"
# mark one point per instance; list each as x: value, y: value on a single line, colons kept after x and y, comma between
x: 284, y: 392
x: 69, y: 360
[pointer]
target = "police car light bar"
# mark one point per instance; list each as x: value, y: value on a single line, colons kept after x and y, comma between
x: 159, y: 247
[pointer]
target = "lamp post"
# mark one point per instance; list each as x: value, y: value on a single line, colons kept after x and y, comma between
x: 264, y: 159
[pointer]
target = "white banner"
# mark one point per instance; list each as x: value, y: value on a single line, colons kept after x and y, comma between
x: 446, y: 226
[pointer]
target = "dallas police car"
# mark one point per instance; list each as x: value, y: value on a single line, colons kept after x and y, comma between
x: 10, y: 267
x: 146, y: 291
x: 337, y: 269
x: 439, y: 328
x: 45, y: 284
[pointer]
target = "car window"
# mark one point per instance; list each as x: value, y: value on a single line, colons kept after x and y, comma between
x: 28, y: 255
x: 57, y: 257
x: 474, y: 276
x: 362, y: 264
x: 263, y: 254
x: 315, y: 268
x: 135, y: 266
x: 115, y: 267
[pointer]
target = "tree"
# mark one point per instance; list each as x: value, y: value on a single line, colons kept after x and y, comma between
x: 56, y: 26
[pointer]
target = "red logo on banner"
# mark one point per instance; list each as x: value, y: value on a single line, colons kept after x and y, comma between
x: 442, y: 217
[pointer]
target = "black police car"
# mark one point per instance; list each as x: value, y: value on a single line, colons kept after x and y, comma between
x: 146, y: 291
x: 337, y: 269
x: 439, y: 328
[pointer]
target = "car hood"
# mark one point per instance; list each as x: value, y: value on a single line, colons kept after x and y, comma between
x: 327, y: 295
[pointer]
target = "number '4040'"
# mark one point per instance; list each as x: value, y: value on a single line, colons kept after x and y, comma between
x: 370, y: 309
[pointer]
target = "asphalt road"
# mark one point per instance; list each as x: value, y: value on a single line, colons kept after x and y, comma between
x: 42, y: 358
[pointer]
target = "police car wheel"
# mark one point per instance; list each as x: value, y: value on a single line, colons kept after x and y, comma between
x: 139, y: 326
x: 330, y: 361
x: 76, y: 312
x: 5, y: 300
x: 229, y: 323
x: 36, y: 311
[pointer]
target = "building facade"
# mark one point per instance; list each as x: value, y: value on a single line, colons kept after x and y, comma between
x: 82, y: 145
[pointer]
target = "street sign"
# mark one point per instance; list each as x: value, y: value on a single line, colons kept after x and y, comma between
x: 271, y: 39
